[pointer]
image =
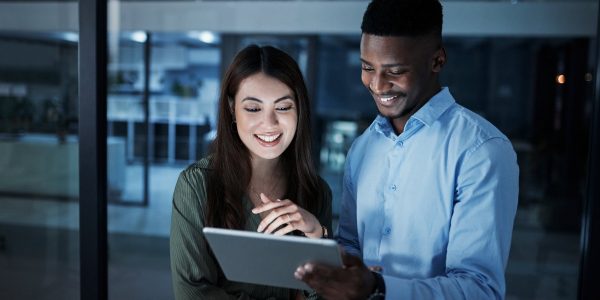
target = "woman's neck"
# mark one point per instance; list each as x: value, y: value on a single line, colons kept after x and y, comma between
x: 267, y: 178
x: 265, y: 169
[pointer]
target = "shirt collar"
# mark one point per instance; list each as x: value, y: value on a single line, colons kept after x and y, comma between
x: 382, y: 124
x: 427, y: 114
x: 435, y: 107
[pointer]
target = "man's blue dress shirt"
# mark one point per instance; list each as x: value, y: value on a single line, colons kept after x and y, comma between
x: 435, y: 205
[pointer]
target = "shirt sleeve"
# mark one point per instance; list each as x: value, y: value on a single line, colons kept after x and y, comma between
x: 195, y: 273
x: 347, y: 232
x: 480, y: 231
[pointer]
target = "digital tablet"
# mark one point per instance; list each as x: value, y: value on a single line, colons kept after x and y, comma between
x: 267, y: 259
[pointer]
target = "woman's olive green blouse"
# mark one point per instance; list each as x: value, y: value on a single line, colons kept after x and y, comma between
x: 195, y: 272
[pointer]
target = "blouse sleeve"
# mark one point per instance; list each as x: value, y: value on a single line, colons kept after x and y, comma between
x: 325, y: 218
x: 195, y: 273
x: 325, y: 214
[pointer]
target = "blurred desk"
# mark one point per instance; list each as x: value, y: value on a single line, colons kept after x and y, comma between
x: 39, y: 165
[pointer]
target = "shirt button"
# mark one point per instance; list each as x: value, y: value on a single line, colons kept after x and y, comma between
x: 387, y: 231
x: 393, y: 187
x: 400, y: 144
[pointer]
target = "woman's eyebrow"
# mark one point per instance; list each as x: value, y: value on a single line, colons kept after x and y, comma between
x: 258, y: 100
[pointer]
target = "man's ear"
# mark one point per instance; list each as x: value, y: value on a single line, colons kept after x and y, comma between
x: 439, y: 59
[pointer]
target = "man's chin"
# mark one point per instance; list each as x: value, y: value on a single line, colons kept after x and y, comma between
x: 391, y: 114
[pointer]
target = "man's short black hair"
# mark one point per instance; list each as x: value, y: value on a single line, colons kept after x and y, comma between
x: 411, y: 18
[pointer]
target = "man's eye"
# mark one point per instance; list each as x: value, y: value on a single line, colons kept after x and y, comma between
x: 367, y: 68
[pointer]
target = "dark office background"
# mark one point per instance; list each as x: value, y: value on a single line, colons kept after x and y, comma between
x: 161, y: 88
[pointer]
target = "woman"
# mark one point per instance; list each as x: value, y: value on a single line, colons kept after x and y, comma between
x: 259, y: 176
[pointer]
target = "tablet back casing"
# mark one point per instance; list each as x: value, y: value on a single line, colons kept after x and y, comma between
x: 266, y: 259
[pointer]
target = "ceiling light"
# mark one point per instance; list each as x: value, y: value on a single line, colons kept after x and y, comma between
x: 139, y: 36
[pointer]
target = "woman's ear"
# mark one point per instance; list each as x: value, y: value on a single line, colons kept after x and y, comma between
x: 439, y: 59
x: 231, y: 107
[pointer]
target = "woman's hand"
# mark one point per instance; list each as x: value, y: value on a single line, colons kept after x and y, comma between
x: 285, y: 212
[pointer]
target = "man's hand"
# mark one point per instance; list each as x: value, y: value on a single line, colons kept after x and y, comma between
x: 353, y: 281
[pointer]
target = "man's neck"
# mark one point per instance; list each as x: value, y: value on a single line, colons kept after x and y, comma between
x: 399, y: 123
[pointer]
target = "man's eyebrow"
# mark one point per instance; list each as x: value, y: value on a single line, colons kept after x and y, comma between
x: 258, y: 100
x: 385, y: 65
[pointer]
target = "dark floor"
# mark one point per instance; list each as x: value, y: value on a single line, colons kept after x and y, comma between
x: 43, y: 263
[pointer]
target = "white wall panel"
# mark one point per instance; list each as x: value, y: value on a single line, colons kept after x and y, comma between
x: 464, y: 18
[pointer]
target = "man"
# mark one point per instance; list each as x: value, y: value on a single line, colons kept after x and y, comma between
x: 430, y: 188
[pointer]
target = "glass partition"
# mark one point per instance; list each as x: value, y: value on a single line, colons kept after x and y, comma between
x: 162, y: 97
x: 39, y: 185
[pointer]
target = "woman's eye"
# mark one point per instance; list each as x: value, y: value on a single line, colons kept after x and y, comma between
x: 252, y: 109
x: 284, y: 108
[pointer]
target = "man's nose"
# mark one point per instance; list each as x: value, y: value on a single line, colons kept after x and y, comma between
x: 379, y: 84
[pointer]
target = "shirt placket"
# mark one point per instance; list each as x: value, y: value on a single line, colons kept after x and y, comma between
x: 392, y: 190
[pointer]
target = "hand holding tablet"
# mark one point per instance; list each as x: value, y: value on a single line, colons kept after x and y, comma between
x: 266, y: 259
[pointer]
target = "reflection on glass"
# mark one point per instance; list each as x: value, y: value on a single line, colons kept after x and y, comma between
x: 336, y: 142
x: 182, y: 94
x: 39, y: 186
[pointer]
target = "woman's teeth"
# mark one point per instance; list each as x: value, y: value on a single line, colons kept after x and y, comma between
x: 268, y: 138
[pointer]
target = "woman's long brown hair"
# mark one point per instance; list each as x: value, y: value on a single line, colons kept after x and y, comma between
x: 230, y: 159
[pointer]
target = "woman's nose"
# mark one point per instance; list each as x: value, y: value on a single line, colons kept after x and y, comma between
x: 270, y: 118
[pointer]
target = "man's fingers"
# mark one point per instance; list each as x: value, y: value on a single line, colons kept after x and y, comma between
x: 317, y: 271
x: 306, y: 273
x: 321, y: 278
x: 335, y: 282
x: 376, y: 268
x: 351, y: 260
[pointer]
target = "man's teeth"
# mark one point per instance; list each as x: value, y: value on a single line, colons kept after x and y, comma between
x: 268, y: 138
x: 386, y: 99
